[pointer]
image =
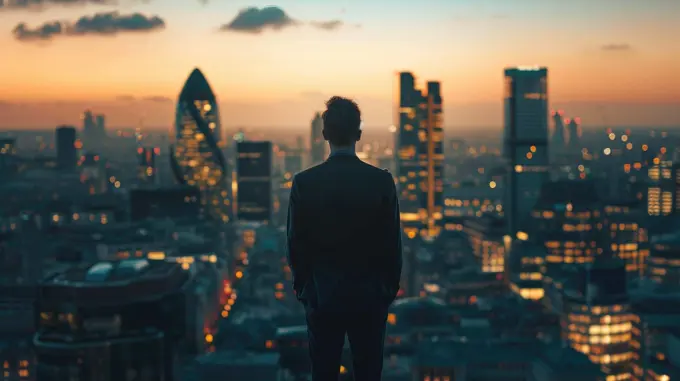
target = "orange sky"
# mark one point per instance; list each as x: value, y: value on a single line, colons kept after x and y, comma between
x: 614, y: 62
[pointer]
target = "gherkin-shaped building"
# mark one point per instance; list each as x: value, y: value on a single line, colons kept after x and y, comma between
x: 195, y: 153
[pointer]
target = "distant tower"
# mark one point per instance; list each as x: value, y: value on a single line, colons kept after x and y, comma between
x: 100, y: 121
x: 558, y: 139
x: 317, y: 142
x: 574, y: 127
x: 67, y: 156
x: 146, y: 165
x: 525, y: 143
x: 89, y: 130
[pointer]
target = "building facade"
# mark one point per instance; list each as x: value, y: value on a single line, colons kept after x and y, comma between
x: 420, y: 156
x: 254, y: 179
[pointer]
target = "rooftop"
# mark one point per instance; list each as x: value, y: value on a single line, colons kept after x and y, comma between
x: 113, y: 282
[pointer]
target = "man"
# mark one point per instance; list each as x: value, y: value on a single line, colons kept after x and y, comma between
x: 344, y: 249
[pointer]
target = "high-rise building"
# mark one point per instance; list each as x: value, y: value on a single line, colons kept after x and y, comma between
x: 254, y: 178
x: 420, y: 156
x: 67, y: 156
x: 317, y: 142
x: 525, y: 142
x: 662, y: 197
x: 146, y: 167
x: 558, y: 142
x: 195, y: 156
x: 100, y: 123
x: 574, y: 127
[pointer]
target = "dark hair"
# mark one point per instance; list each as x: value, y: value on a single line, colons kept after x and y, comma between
x: 341, y: 121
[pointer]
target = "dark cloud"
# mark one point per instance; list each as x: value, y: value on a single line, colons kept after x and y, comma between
x: 327, y: 25
x: 153, y: 98
x: 109, y: 23
x: 41, y: 4
x: 256, y: 20
x: 616, y: 47
x: 157, y: 99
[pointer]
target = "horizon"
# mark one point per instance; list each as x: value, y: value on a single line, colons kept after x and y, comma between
x: 610, y: 62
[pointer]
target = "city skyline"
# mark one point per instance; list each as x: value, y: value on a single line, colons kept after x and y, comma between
x: 596, y: 54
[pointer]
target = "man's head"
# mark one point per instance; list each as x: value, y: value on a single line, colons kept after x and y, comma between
x: 341, y: 122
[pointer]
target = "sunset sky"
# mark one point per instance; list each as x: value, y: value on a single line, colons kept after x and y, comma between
x: 613, y: 62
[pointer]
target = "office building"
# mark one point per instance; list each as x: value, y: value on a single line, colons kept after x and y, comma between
x: 195, y: 155
x: 663, y: 179
x: 663, y: 264
x: 100, y: 125
x: 67, y: 154
x: 627, y: 238
x: 525, y: 142
x: 146, y: 165
x: 597, y: 318
x: 254, y: 179
x: 108, y: 320
x: 656, y: 317
x: 317, y: 142
x: 488, y: 245
x: 178, y: 202
x: 574, y: 128
x: 420, y: 157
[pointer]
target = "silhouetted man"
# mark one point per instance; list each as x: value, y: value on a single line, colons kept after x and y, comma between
x: 344, y: 249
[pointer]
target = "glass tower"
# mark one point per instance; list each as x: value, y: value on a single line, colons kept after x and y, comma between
x: 420, y: 156
x: 195, y: 155
x: 525, y: 143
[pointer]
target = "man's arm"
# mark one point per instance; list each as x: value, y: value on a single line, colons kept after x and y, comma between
x: 393, y: 239
x: 296, y: 254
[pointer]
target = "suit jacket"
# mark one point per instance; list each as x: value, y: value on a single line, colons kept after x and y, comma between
x: 344, y: 234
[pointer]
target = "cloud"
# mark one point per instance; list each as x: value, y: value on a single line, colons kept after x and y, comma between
x: 255, y: 20
x: 327, y: 25
x: 616, y: 47
x: 157, y: 99
x: 42, y: 4
x: 152, y: 98
x: 109, y: 23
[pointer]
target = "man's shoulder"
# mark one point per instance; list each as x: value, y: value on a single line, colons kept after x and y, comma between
x: 363, y: 170
x: 309, y: 172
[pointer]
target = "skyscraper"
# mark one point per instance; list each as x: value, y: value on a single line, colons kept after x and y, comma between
x: 420, y: 156
x: 558, y: 142
x: 195, y: 156
x: 317, y: 142
x: 89, y: 130
x: 574, y: 126
x: 254, y: 171
x: 100, y: 122
x: 67, y: 157
x: 525, y: 143
x: 146, y: 167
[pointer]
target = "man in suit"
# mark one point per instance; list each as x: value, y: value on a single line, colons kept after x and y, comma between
x: 344, y: 250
